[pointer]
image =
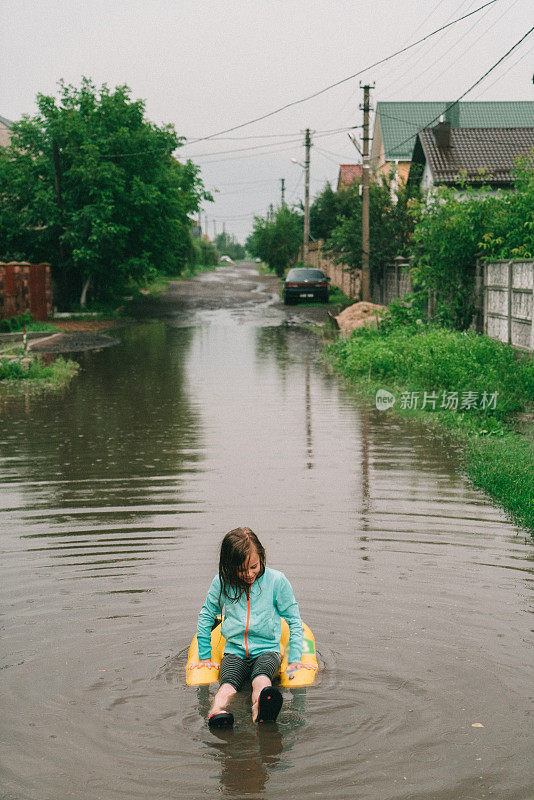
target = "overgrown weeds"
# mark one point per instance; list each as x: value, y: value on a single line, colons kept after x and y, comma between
x: 31, y: 369
x: 468, y: 383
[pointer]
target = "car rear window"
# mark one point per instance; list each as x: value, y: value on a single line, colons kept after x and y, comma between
x: 302, y: 274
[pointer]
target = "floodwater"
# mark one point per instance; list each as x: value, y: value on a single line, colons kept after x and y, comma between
x: 115, y: 495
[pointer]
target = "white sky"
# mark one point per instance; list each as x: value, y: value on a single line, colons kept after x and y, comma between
x: 206, y: 65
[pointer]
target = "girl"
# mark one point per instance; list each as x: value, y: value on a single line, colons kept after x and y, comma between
x: 252, y: 598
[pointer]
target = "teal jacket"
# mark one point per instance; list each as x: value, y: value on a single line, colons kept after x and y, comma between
x: 253, y: 624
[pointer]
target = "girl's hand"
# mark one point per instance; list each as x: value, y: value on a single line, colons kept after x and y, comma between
x: 205, y: 662
x: 299, y: 665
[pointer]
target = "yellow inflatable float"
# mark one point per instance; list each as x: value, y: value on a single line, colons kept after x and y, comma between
x: 198, y: 676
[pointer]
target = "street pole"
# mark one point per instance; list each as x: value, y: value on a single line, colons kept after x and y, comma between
x: 283, y: 182
x: 366, y: 275
x: 305, y: 248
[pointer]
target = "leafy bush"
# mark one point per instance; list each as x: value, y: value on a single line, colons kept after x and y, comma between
x: 15, y: 323
x: 409, y: 311
x: 452, y: 230
x: 59, y: 371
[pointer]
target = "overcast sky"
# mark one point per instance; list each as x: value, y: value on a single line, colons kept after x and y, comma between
x: 207, y: 65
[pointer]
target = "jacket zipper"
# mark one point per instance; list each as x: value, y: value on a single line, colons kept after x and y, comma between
x: 248, y: 620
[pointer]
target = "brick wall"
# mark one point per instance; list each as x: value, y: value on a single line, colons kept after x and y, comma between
x: 25, y: 287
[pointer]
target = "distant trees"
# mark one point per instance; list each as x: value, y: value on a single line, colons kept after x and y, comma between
x: 277, y: 240
x: 92, y: 186
x: 204, y: 254
x: 227, y: 245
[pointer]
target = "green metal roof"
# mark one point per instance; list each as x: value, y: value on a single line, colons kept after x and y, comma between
x: 399, y: 122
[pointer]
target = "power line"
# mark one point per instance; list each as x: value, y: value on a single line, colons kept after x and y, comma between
x: 500, y: 77
x: 471, y: 44
x: 269, y: 135
x: 293, y: 140
x: 348, y: 78
x: 249, y: 155
x: 476, y: 83
x: 400, y: 78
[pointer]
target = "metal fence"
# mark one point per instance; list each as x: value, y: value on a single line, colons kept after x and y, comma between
x: 508, y: 288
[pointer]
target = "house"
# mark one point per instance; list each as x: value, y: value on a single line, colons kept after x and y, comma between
x: 5, y: 131
x: 447, y: 156
x: 396, y: 126
x: 348, y: 173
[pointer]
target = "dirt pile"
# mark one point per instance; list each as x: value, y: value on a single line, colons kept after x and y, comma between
x: 359, y: 315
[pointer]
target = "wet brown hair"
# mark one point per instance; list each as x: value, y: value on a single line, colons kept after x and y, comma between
x: 236, y: 548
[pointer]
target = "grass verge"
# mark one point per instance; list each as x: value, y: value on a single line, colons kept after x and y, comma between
x: 29, y: 371
x: 464, y: 383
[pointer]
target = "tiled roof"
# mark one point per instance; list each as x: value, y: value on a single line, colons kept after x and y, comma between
x: 475, y: 151
x: 348, y: 173
x: 401, y: 121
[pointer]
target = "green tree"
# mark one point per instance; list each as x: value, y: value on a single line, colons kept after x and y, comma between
x: 389, y: 221
x: 510, y: 233
x: 445, y: 247
x: 453, y: 228
x: 91, y: 186
x: 276, y: 241
x: 327, y: 208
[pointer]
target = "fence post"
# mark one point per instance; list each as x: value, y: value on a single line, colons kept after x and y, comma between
x: 510, y: 280
x: 532, y: 311
x: 478, y: 296
x: 485, y: 297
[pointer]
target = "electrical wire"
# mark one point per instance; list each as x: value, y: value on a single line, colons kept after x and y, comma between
x: 348, y: 78
x: 461, y: 97
x: 399, y: 78
x: 250, y: 155
x: 471, y: 45
x: 293, y: 140
x: 271, y: 135
x: 296, y: 138
x: 521, y: 58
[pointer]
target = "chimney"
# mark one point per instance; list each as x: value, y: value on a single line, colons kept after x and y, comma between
x: 442, y: 132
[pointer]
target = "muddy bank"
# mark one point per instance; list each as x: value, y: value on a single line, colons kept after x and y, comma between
x: 75, y: 342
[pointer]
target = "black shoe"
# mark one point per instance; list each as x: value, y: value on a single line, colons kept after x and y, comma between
x: 222, y: 720
x: 269, y: 704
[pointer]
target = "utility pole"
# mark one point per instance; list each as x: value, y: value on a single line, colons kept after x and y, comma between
x: 366, y: 274
x: 305, y: 248
x: 283, y: 182
x: 214, y: 229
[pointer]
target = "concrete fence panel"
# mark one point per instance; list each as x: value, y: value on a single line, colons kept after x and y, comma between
x: 509, y: 301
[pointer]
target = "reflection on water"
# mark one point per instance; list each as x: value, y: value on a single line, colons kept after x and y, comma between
x: 115, y: 495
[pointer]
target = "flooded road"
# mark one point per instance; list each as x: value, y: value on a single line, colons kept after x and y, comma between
x: 115, y: 496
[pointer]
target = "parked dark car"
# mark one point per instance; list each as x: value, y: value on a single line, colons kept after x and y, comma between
x: 303, y: 283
